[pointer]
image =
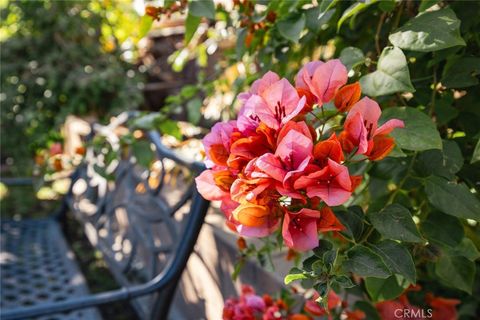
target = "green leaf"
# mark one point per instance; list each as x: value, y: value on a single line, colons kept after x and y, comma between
x: 344, y: 281
x: 465, y: 249
x: 318, y: 267
x: 456, y: 271
x: 193, y: 109
x: 385, y: 289
x: 240, y: 45
x: 145, y: 25
x: 352, y: 220
x: 429, y: 31
x: 353, y: 10
x: 392, y: 75
x: 325, y: 6
x: 315, y: 19
x: 237, y: 269
x: 294, y: 274
x: 387, y: 5
x: 323, y: 247
x: 476, y: 153
x: 148, y: 121
x: 395, y: 222
x: 143, y: 152
x: 170, y: 127
x: 329, y: 259
x: 364, y: 262
x: 442, y: 229
x: 443, y: 163
x: 202, y: 8
x: 427, y: 4
x: 462, y: 73
x: 397, y: 258
x: 452, y: 198
x: 420, y: 133
x: 445, y: 110
x: 307, y: 263
x: 292, y: 27
x: 351, y: 57
x: 191, y: 25
x: 452, y: 156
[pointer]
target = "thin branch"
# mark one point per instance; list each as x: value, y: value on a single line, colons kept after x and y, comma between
x: 398, y: 16
x: 377, y: 34
x: 434, y: 92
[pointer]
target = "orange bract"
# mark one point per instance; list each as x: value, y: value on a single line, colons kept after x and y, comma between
x: 347, y: 96
x: 252, y: 215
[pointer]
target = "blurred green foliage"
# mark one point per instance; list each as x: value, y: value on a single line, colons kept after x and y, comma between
x: 61, y: 58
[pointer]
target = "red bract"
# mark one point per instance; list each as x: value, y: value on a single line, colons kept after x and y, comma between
x: 332, y: 183
x: 363, y: 134
x: 272, y: 101
x: 347, y: 96
x: 399, y: 309
x: 319, y: 81
x: 443, y: 308
x: 314, y: 308
x: 267, y: 166
x: 300, y: 229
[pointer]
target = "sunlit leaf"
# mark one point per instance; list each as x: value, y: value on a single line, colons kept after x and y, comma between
x: 202, y: 8
x: 391, y: 76
x: 351, y: 57
x: 429, y: 31
x: 191, y: 25
x: 353, y: 10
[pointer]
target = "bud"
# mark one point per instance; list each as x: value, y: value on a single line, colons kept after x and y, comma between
x: 241, y: 244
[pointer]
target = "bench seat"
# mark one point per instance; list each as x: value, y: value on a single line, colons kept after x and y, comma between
x: 38, y: 267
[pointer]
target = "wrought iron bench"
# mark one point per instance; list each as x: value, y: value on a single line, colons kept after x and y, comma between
x: 144, y: 221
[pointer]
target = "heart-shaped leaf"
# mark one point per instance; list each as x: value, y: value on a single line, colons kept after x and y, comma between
x: 392, y: 75
x: 429, y: 31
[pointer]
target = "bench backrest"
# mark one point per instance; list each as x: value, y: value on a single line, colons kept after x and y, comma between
x: 139, y: 218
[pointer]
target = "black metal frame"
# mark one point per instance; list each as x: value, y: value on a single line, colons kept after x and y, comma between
x: 164, y: 283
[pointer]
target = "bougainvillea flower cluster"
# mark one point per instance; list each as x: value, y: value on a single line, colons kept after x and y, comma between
x: 271, y: 169
x: 438, y: 308
x: 250, y: 306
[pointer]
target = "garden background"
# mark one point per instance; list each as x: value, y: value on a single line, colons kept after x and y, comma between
x: 181, y: 64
